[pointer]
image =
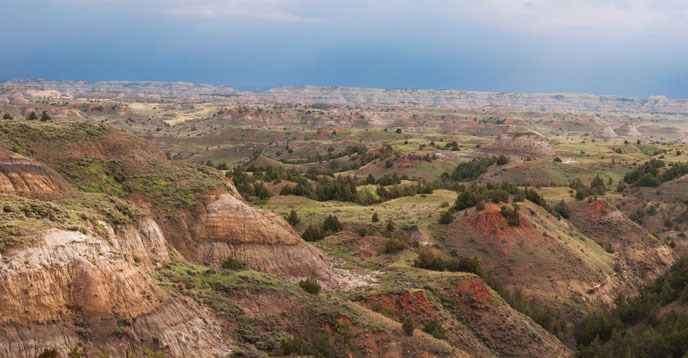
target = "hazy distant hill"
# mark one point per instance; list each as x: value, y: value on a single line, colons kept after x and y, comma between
x: 558, y: 102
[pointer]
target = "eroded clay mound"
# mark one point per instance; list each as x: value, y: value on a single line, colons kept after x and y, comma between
x: 640, y: 252
x: 628, y: 131
x: 527, y: 144
x: 74, y: 289
x: 606, y: 134
x: 22, y: 176
x: 230, y: 219
x: 263, y: 241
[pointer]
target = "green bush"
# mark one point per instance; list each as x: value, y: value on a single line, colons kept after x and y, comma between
x: 435, y: 329
x: 310, y: 285
x: 512, y: 215
x: 428, y: 260
x: 408, y: 326
x: 562, y: 209
x: 232, y: 264
x: 312, y: 233
x: 293, y: 219
x: 446, y: 217
x: 332, y: 224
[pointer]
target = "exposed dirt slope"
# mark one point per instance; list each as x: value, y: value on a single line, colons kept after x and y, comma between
x: 225, y: 227
x: 548, y: 258
x: 72, y: 289
x: 527, y: 144
x: 639, y: 251
x: 23, y: 176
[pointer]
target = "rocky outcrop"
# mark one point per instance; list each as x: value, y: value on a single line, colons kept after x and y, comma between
x: 606, y: 134
x: 548, y: 102
x: 628, y: 131
x: 75, y: 289
x: 23, y: 176
x: 227, y: 227
x: 524, y: 144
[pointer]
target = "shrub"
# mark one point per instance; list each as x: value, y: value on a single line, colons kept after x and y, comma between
x: 375, y: 218
x: 512, y: 215
x: 312, y: 233
x: 562, y: 209
x: 408, y: 326
x: 310, y: 285
x: 293, y: 218
x: 232, y: 264
x: 48, y: 353
x: 435, y: 329
x: 45, y: 117
x: 390, y: 226
x: 32, y: 116
x: 428, y: 260
x: 332, y: 224
x: 7, y: 116
x: 75, y: 353
x: 398, y: 242
x: 446, y: 217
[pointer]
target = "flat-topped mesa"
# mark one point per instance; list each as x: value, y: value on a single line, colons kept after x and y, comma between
x: 528, y: 144
x: 23, y: 176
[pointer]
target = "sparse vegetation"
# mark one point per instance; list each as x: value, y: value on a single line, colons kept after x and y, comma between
x: 310, y: 285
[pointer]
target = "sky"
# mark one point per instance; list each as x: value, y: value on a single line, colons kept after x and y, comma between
x: 634, y: 48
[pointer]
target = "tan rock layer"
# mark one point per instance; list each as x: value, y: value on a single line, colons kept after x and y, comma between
x: 77, y: 289
x: 23, y: 176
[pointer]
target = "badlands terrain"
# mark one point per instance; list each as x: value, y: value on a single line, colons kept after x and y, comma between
x: 179, y: 220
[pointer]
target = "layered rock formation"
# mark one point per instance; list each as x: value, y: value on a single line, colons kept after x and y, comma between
x: 606, y: 134
x: 23, y: 176
x: 554, y: 102
x: 527, y: 144
x: 225, y: 227
x: 77, y: 290
x: 628, y: 131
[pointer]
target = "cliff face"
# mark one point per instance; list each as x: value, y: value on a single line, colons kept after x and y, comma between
x: 16, y: 90
x: 224, y: 226
x: 71, y: 289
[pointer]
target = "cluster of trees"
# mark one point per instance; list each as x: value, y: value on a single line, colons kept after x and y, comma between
x: 512, y: 214
x: 344, y: 188
x: 453, y: 146
x: 248, y: 185
x: 329, y: 226
x: 428, y: 260
x: 44, y: 116
x: 471, y: 170
x: 596, y: 188
x: 560, y: 209
x: 641, y: 326
x: 649, y: 175
x: 357, y: 150
x: 475, y: 195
